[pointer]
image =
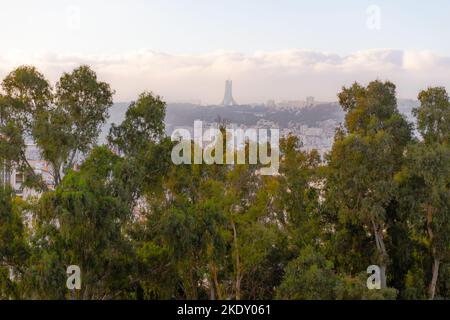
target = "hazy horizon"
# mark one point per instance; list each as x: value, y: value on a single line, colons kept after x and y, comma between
x: 184, y: 51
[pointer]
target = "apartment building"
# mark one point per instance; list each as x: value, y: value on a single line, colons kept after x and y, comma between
x: 15, y: 178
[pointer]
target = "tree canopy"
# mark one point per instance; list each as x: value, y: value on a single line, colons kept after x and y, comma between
x: 142, y: 227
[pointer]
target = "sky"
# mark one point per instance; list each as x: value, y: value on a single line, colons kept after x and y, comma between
x: 271, y: 49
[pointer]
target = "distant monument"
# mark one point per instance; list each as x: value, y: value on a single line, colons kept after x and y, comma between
x: 228, y: 97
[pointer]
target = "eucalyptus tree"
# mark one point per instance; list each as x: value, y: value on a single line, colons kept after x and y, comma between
x: 428, y: 161
x: 364, y: 159
x: 14, y: 248
x: 67, y: 131
x: 26, y: 94
x: 82, y: 223
x: 64, y: 123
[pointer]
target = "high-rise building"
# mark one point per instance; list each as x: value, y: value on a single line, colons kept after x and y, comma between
x: 228, y: 97
x: 271, y: 103
x: 310, y: 101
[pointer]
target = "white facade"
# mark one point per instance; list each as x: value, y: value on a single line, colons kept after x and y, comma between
x: 15, y: 178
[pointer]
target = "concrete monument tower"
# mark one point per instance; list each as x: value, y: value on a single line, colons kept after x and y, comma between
x: 228, y: 97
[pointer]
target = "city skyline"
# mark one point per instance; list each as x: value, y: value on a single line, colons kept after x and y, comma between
x: 259, y: 77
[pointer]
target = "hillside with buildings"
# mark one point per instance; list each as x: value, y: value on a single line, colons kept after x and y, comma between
x: 313, y: 122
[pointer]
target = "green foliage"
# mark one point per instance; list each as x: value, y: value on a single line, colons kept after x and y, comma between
x: 364, y: 160
x: 141, y: 227
x: 354, y: 288
x: 81, y: 223
x: 14, y: 250
x: 433, y: 115
x: 26, y: 95
x: 64, y: 123
x: 144, y: 123
x: 308, y: 277
x: 428, y: 166
x: 85, y: 102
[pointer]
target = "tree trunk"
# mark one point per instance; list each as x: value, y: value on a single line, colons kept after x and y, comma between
x: 189, y: 285
x: 30, y: 170
x: 211, y: 290
x: 383, y: 276
x: 238, y: 262
x: 432, y: 289
x: 213, y: 272
x: 436, y: 261
x: 382, y: 250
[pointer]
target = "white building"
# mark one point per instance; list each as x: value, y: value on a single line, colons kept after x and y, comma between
x: 15, y: 178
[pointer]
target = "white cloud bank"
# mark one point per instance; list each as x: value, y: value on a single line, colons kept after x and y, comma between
x: 281, y: 75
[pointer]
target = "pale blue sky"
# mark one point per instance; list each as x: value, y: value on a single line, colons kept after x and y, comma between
x: 201, y: 26
x: 272, y: 49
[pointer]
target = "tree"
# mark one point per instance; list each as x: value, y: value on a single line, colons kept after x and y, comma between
x: 428, y: 162
x: 145, y: 151
x: 298, y: 191
x: 14, y: 249
x: 364, y: 159
x: 309, y: 277
x: 82, y: 223
x: 72, y: 126
x: 26, y: 95
x: 64, y: 124
x: 143, y: 124
x: 433, y: 115
x: 256, y: 241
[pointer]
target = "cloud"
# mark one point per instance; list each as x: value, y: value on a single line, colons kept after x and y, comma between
x: 281, y: 75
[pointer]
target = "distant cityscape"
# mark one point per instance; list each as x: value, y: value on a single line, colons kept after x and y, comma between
x: 313, y: 122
